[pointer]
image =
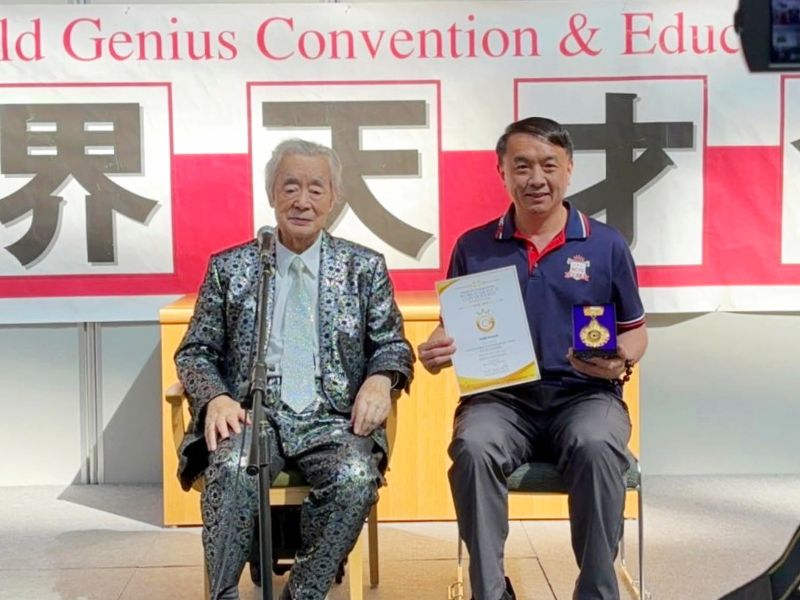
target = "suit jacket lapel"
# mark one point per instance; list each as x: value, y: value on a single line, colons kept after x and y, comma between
x: 272, y: 268
x: 328, y: 296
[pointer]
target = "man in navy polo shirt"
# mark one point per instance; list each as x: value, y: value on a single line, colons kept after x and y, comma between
x: 574, y: 415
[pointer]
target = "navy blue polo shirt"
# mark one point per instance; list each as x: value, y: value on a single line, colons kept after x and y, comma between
x: 592, y: 266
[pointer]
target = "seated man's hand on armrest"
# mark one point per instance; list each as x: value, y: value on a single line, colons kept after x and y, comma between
x: 372, y: 405
x: 223, y: 415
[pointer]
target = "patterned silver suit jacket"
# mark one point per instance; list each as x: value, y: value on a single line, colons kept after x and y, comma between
x: 360, y: 332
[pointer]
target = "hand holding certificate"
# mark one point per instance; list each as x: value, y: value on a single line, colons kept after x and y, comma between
x: 485, y: 316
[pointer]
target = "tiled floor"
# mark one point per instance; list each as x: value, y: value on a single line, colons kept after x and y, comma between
x: 704, y: 537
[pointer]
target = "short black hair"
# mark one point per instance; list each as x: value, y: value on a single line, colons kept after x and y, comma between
x: 540, y: 127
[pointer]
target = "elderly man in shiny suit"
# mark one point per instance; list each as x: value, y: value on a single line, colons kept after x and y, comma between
x: 335, y: 354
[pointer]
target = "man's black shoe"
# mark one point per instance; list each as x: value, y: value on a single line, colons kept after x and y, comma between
x: 508, y: 594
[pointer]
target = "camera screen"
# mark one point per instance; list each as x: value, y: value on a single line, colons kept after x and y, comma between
x: 785, y: 32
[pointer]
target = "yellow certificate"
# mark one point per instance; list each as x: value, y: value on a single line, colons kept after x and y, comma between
x: 485, y: 316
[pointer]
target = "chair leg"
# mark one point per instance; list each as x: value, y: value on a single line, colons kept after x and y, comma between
x: 456, y: 590
x: 644, y: 594
x: 636, y: 586
x: 372, y: 529
x: 355, y: 564
x: 631, y: 583
x: 206, y: 583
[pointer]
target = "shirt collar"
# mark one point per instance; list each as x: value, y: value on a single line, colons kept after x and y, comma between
x: 310, y: 258
x: 577, y: 227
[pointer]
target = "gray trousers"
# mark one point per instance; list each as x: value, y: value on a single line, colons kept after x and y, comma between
x: 343, y: 473
x: 584, y: 433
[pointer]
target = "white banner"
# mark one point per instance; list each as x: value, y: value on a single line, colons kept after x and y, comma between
x: 133, y: 141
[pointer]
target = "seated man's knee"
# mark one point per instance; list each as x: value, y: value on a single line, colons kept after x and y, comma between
x: 223, y: 463
x: 473, y: 446
x: 218, y: 482
x: 597, y: 447
x: 355, y: 481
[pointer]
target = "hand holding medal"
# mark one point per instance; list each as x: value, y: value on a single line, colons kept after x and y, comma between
x: 594, y: 349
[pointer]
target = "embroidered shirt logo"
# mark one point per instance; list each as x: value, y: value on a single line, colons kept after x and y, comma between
x: 578, y: 268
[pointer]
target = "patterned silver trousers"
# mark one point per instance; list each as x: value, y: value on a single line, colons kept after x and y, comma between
x: 343, y: 472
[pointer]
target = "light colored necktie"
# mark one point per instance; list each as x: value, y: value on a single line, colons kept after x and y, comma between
x: 298, y: 387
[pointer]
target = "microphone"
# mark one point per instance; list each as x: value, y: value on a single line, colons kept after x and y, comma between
x: 264, y: 237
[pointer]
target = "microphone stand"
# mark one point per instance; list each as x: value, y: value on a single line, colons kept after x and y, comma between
x: 259, y: 457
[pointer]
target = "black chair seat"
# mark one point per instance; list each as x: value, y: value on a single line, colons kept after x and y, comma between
x: 544, y: 478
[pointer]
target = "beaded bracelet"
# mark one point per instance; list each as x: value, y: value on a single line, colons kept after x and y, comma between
x: 628, y: 372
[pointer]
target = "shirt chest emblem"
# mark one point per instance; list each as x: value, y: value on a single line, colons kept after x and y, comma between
x: 578, y: 268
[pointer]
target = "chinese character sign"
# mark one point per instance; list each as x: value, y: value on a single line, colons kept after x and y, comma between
x: 85, y: 141
x: 84, y: 186
x: 345, y: 120
x: 389, y: 151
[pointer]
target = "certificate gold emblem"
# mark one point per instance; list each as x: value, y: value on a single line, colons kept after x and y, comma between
x: 485, y: 321
x: 594, y: 335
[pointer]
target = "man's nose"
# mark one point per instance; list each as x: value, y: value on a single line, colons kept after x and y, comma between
x: 303, y: 200
x: 536, y: 177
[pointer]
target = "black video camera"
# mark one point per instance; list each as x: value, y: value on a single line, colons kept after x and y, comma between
x: 770, y: 34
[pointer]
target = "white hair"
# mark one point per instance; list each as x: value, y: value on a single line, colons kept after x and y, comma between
x: 296, y: 146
